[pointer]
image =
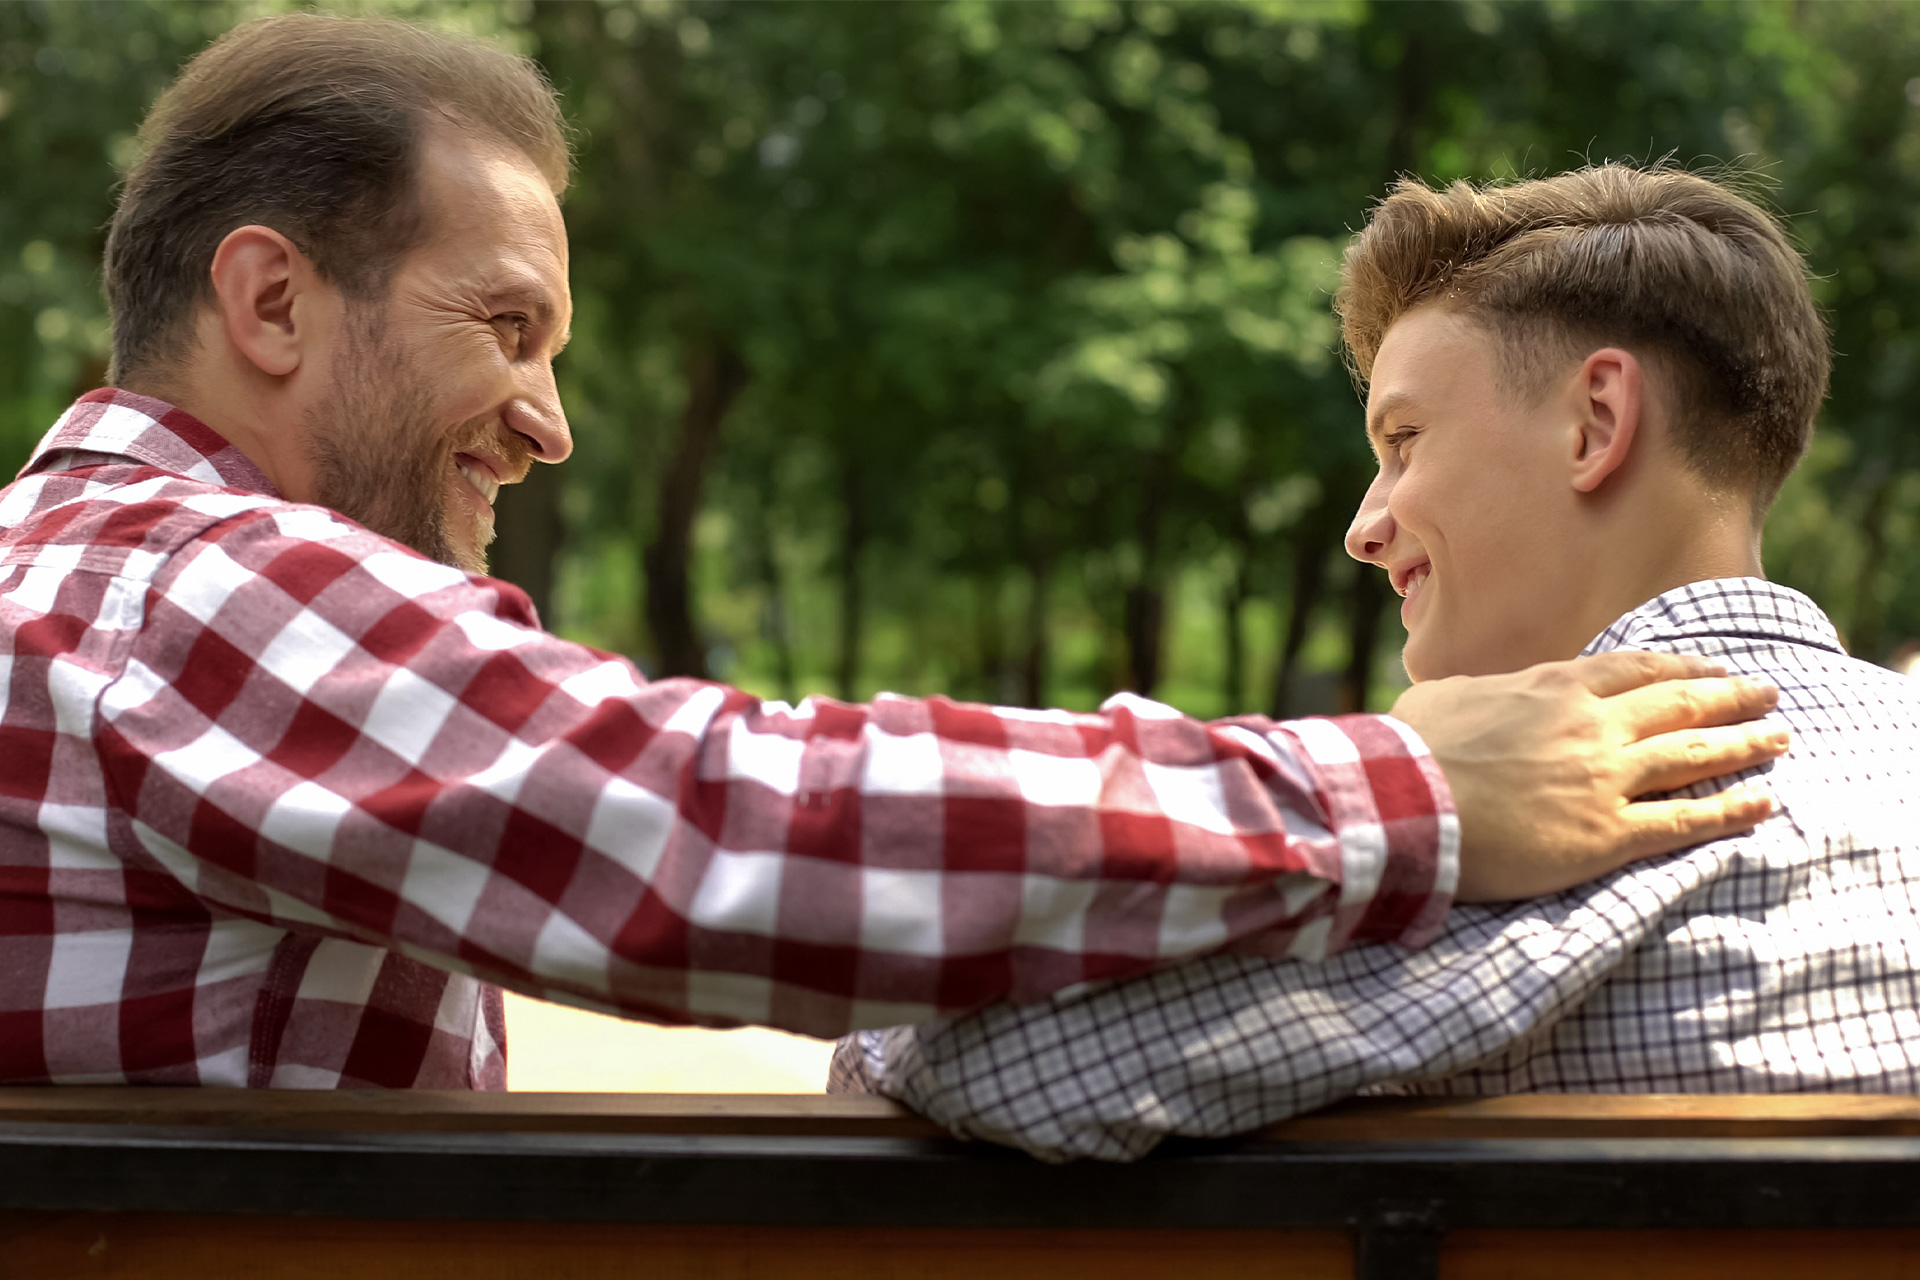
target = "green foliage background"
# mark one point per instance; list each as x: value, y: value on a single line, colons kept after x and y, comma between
x: 984, y: 348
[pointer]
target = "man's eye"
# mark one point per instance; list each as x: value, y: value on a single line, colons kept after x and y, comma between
x: 1399, y: 439
x: 512, y: 326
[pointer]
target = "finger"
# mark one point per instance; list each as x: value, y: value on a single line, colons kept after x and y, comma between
x: 1675, y: 760
x: 1607, y: 674
x: 1655, y: 827
x: 1691, y: 704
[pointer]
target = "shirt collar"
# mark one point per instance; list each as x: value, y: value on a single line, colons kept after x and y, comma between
x: 1748, y: 608
x: 121, y: 424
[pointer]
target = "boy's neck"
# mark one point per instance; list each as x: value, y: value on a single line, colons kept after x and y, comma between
x: 1688, y: 534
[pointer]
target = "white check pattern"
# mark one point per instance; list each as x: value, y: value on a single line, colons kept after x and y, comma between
x: 1786, y: 959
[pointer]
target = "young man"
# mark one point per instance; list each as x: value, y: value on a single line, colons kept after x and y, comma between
x: 1584, y: 393
x: 286, y: 785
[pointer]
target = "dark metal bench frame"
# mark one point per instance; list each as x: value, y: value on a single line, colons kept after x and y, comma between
x: 823, y: 1167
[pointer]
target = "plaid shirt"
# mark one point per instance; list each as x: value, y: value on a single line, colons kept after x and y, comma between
x: 1787, y: 959
x: 279, y: 799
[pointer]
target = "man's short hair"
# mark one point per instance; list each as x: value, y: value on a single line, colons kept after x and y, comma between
x: 1699, y: 281
x: 310, y: 124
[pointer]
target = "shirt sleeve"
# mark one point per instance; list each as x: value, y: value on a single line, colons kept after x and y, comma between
x: 315, y: 728
x: 1226, y: 1044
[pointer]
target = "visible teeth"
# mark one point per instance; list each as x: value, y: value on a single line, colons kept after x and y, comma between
x: 489, y: 487
x: 1415, y: 578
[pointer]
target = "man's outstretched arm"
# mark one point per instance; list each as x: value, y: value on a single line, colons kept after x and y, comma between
x: 318, y: 730
x: 324, y: 732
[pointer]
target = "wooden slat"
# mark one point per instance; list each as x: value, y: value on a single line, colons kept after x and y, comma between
x: 1572, y: 1115
x: 1360, y: 1120
x: 186, y: 1247
x: 167, y: 1247
x: 386, y: 1111
x: 1681, y: 1255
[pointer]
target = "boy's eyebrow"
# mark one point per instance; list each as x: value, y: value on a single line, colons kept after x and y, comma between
x: 1376, y: 419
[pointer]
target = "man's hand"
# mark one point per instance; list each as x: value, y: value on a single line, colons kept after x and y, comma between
x: 1544, y: 764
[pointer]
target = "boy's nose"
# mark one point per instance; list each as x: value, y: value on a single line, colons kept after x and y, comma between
x: 1372, y: 529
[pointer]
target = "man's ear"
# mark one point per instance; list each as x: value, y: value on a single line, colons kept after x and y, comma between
x: 258, y: 278
x: 1609, y: 399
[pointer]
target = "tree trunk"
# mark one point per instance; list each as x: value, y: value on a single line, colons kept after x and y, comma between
x: 1864, y: 637
x: 528, y: 533
x: 774, y: 624
x: 1145, y: 606
x: 1370, y: 595
x: 990, y: 639
x: 1033, y: 673
x: 1310, y: 550
x: 715, y: 376
x: 853, y: 542
x: 1233, y: 605
x: 1033, y: 536
x: 1145, y: 617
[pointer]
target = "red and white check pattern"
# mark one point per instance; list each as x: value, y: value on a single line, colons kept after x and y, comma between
x: 279, y: 799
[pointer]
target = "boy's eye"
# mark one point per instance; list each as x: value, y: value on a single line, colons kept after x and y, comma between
x: 1400, y: 437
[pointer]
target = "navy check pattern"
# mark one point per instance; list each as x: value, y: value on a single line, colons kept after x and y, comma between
x: 1786, y: 959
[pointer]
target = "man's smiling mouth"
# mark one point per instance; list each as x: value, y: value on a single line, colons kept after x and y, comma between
x: 484, y: 482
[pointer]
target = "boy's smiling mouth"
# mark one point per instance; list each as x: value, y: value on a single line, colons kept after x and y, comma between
x: 1407, y: 579
x: 1407, y: 582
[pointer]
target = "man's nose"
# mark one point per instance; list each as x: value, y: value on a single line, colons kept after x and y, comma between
x: 537, y: 416
x: 1371, y: 532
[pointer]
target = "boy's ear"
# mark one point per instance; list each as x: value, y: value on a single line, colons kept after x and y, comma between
x: 258, y: 278
x: 1609, y: 395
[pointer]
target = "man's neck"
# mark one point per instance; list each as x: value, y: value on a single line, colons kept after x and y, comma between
x: 241, y: 416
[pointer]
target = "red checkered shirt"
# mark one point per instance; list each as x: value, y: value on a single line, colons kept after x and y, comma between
x: 281, y: 800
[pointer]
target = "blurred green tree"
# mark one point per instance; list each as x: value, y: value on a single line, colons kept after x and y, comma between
x: 985, y: 348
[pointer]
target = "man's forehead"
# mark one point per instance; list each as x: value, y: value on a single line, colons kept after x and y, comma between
x: 493, y: 217
x: 471, y: 184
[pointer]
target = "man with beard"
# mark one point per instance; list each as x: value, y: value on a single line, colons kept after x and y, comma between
x: 1584, y: 393
x: 289, y: 786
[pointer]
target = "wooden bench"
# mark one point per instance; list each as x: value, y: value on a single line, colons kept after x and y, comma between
x: 211, y: 1184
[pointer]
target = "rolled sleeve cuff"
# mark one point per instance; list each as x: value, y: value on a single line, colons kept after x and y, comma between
x: 1389, y: 806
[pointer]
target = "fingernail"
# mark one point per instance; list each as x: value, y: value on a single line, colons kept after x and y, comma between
x: 1778, y: 741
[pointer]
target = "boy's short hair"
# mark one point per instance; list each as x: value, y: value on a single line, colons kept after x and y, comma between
x: 1698, y: 280
x: 310, y: 124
